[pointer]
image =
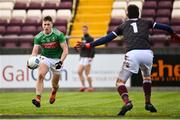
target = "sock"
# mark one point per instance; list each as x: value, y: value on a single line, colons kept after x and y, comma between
x: 147, y: 91
x: 123, y: 93
x: 54, y: 90
x: 38, y: 97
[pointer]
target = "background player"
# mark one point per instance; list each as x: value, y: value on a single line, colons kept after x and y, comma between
x: 53, y: 53
x: 86, y: 58
x: 138, y: 54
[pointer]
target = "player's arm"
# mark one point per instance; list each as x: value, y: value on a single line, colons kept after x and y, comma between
x: 36, y: 47
x: 99, y: 41
x: 109, y: 37
x: 35, y: 50
x: 65, y: 51
x: 163, y: 27
x: 63, y: 45
x: 174, y: 37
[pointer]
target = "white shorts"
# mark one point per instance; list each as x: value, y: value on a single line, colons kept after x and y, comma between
x: 85, y: 61
x: 50, y: 62
x: 136, y: 59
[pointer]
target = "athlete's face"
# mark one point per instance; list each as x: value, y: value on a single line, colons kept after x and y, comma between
x: 85, y: 30
x: 47, y: 25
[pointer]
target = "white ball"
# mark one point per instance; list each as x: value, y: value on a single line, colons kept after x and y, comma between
x: 33, y: 62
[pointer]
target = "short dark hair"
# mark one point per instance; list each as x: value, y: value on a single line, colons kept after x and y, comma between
x: 85, y: 26
x: 47, y: 18
x: 133, y: 11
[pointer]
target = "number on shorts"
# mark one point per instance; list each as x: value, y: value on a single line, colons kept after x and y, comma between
x: 134, y: 25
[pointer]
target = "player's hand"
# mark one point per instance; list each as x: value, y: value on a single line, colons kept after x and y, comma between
x: 78, y: 46
x: 58, y: 65
x: 175, y: 37
x: 28, y: 66
x: 76, y: 49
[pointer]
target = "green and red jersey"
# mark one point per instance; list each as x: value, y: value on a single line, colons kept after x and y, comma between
x: 50, y: 43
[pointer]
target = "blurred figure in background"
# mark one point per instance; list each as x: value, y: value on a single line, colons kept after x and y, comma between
x: 86, y: 58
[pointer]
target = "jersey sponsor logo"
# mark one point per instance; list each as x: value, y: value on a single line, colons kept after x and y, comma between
x: 50, y: 45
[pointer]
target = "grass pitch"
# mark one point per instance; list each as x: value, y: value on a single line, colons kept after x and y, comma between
x: 95, y: 105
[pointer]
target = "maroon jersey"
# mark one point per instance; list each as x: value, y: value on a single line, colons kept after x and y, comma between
x: 136, y: 33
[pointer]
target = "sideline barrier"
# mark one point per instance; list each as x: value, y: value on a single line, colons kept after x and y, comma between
x: 15, y: 74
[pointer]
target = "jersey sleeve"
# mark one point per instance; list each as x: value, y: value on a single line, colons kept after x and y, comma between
x: 150, y: 24
x: 61, y: 38
x: 36, y: 41
x: 119, y: 30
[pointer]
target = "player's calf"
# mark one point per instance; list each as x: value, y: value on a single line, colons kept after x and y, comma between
x: 53, y: 95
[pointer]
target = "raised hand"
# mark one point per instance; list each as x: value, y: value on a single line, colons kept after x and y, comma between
x: 78, y: 46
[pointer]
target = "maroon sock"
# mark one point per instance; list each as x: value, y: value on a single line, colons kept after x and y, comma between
x: 123, y: 93
x: 147, y: 91
x: 38, y: 97
x: 54, y: 90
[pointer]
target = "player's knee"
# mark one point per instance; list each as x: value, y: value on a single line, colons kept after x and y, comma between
x: 57, y: 73
x: 80, y: 72
x: 88, y: 77
x: 119, y: 82
x: 56, y: 76
x: 87, y: 74
x: 147, y: 78
x: 124, y: 75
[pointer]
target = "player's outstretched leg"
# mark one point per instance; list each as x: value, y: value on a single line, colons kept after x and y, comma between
x: 124, y: 95
x: 147, y: 94
x: 53, y: 95
x: 36, y: 101
x: 55, y: 86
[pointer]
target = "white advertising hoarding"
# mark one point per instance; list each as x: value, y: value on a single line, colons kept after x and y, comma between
x: 15, y: 74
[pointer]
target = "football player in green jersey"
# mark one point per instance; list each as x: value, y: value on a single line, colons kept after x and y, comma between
x: 54, y: 50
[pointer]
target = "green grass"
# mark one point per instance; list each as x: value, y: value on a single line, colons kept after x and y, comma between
x: 89, y: 105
